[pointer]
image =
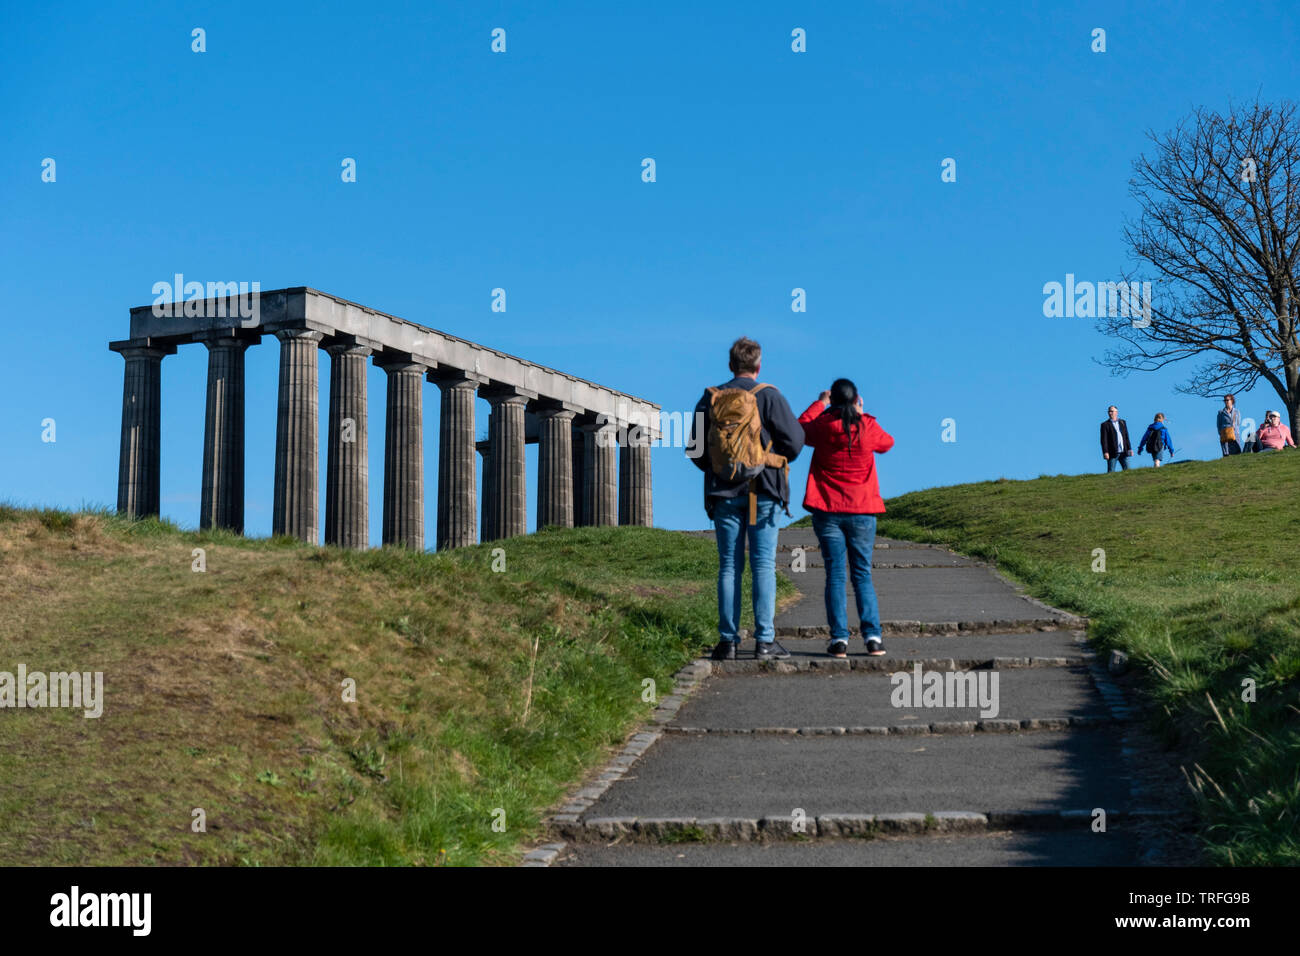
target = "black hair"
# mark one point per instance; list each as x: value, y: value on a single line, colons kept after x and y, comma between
x: 844, y: 398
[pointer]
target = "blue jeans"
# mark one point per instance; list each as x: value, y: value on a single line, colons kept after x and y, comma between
x: 1112, y: 461
x: 730, y: 523
x: 856, y: 534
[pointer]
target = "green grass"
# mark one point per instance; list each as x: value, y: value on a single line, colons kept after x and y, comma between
x: 481, y: 697
x: 1201, y: 588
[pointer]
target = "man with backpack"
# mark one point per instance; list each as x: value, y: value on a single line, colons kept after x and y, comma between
x: 751, y: 436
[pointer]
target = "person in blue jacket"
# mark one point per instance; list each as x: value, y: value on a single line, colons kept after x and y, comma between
x: 1156, y: 441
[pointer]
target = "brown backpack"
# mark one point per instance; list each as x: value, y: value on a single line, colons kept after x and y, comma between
x: 735, y: 439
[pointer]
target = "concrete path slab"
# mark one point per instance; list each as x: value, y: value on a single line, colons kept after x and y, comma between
x: 852, y: 700
x: 899, y: 557
x: 756, y: 776
x: 806, y: 538
x: 1001, y: 848
x: 963, y: 594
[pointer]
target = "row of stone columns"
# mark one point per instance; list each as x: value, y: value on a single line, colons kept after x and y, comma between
x: 579, y: 478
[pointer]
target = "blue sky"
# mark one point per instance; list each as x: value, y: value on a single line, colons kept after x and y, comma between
x: 775, y: 170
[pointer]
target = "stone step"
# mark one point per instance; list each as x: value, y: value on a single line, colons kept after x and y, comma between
x: 834, y: 827
x: 807, y: 538
x: 935, y: 649
x: 821, y: 663
x: 1000, y: 725
x: 1115, y: 847
x: 886, y: 557
x: 892, y: 628
x: 877, y: 563
x: 865, y: 702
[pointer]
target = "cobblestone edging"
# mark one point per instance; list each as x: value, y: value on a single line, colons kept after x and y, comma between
x: 1110, y: 692
x: 835, y: 825
x: 888, y: 665
x: 1142, y: 756
x: 989, y: 726
x: 685, y: 682
x: 925, y: 628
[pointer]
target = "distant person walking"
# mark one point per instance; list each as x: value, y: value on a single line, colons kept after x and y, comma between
x: 1156, y: 441
x: 1115, y: 446
x: 843, y: 497
x: 751, y: 435
x: 1229, y: 425
x: 1273, y: 435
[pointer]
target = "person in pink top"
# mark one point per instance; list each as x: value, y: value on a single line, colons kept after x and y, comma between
x: 1273, y: 435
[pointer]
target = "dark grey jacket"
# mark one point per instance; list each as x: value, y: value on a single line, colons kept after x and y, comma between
x: 1108, y: 438
x: 780, y: 427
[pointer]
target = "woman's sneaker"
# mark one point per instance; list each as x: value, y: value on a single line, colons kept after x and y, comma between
x: 838, y: 648
x: 770, y: 651
x: 875, y: 647
x: 725, y: 651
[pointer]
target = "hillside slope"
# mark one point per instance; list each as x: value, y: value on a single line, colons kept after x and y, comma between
x: 1201, y: 587
x: 224, y: 688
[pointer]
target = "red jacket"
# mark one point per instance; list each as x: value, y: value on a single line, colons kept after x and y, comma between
x: 843, y: 476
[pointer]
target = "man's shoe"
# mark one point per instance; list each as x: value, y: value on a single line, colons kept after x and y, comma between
x: 724, y: 651
x: 875, y: 647
x: 770, y: 651
x: 838, y: 648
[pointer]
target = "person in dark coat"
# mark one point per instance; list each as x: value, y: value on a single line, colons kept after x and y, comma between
x: 1115, y: 446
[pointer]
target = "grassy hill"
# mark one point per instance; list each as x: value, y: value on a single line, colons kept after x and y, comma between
x: 1201, y: 588
x: 480, y: 696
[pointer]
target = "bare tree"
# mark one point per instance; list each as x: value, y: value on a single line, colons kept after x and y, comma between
x: 1219, y: 233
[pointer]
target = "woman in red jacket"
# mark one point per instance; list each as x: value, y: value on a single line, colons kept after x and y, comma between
x: 844, y: 499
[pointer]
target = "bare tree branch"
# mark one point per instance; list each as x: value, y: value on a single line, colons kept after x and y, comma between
x: 1218, y: 236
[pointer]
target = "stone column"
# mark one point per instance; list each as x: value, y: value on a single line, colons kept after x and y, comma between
x: 347, y: 469
x: 634, y: 499
x: 404, y: 454
x: 222, y: 503
x: 456, y: 496
x: 297, y: 437
x: 139, y: 455
x: 487, y: 529
x: 579, y: 473
x: 600, y: 448
x: 509, y: 485
x: 555, y: 468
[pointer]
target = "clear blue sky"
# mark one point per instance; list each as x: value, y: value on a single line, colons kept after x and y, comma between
x: 522, y: 170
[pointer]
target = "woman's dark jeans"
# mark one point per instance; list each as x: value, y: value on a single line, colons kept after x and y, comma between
x: 838, y: 534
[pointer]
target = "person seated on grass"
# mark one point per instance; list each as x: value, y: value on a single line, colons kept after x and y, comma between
x: 1273, y: 435
x: 1157, y: 442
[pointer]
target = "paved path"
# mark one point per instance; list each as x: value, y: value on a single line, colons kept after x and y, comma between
x: 812, y: 762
